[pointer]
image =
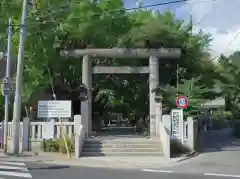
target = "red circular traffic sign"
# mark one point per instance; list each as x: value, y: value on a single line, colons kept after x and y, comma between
x: 182, y: 102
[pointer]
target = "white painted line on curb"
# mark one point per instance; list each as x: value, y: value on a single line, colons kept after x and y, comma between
x: 13, y: 163
x: 156, y: 171
x: 13, y: 168
x: 222, y: 175
x: 16, y: 174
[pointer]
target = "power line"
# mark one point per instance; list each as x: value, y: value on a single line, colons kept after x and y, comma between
x: 233, y: 39
x: 204, y: 16
x: 126, y: 9
x: 83, y: 20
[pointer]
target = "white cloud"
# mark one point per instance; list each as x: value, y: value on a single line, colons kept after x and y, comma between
x: 221, y: 18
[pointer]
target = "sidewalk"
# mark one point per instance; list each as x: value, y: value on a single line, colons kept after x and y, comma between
x: 126, y: 162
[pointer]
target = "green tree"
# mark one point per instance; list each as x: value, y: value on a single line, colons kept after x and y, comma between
x: 56, y: 25
x: 228, y: 81
x: 193, y: 89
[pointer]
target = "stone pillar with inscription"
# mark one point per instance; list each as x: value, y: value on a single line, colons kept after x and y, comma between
x: 177, y: 124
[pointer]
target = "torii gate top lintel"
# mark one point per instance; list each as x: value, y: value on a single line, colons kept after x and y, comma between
x: 123, y: 53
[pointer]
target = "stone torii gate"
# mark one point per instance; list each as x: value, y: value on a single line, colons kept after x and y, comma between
x: 88, y: 71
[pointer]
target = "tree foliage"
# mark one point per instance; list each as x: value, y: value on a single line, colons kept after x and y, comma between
x: 229, y: 70
x: 55, y: 25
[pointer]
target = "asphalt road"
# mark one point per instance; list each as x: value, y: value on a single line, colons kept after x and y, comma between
x: 220, y: 160
x: 43, y: 171
x: 220, y: 157
x: 13, y: 170
x: 24, y: 170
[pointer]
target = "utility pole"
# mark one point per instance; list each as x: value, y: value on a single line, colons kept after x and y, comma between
x: 7, y: 79
x: 19, y: 79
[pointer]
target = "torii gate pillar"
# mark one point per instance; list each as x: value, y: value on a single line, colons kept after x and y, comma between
x: 153, y: 83
x: 86, y: 106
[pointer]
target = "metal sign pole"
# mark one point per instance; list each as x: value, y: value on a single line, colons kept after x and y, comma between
x: 182, y: 126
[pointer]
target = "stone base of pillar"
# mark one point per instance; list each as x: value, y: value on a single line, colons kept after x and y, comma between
x: 152, y: 127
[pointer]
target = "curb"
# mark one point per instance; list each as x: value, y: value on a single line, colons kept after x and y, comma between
x: 107, y: 164
x: 35, y: 158
x: 189, y: 156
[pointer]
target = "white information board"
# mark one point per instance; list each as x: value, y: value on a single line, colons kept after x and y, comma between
x: 177, y: 124
x: 55, y: 109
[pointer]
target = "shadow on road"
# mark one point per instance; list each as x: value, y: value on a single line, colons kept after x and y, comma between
x: 55, y: 167
x: 219, y: 140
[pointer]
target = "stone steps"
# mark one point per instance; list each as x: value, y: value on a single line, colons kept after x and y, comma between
x: 119, y: 145
x: 95, y: 154
x: 122, y: 141
x: 121, y: 150
x: 122, y: 147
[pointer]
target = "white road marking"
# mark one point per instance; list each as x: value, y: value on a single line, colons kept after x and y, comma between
x: 13, y: 168
x: 222, y: 175
x: 19, y: 169
x: 13, y: 163
x: 16, y: 174
x: 157, y: 171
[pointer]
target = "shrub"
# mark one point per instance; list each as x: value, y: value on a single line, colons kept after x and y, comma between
x: 62, y: 147
x: 50, y: 146
x: 58, y: 145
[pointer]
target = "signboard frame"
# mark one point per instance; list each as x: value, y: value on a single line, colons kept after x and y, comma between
x: 54, y: 109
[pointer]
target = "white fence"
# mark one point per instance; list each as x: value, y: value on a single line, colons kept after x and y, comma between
x: 36, y: 130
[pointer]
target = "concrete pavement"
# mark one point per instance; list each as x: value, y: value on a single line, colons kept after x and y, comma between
x: 100, y: 162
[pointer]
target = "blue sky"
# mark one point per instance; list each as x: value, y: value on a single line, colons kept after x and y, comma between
x: 218, y: 17
x: 172, y: 7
